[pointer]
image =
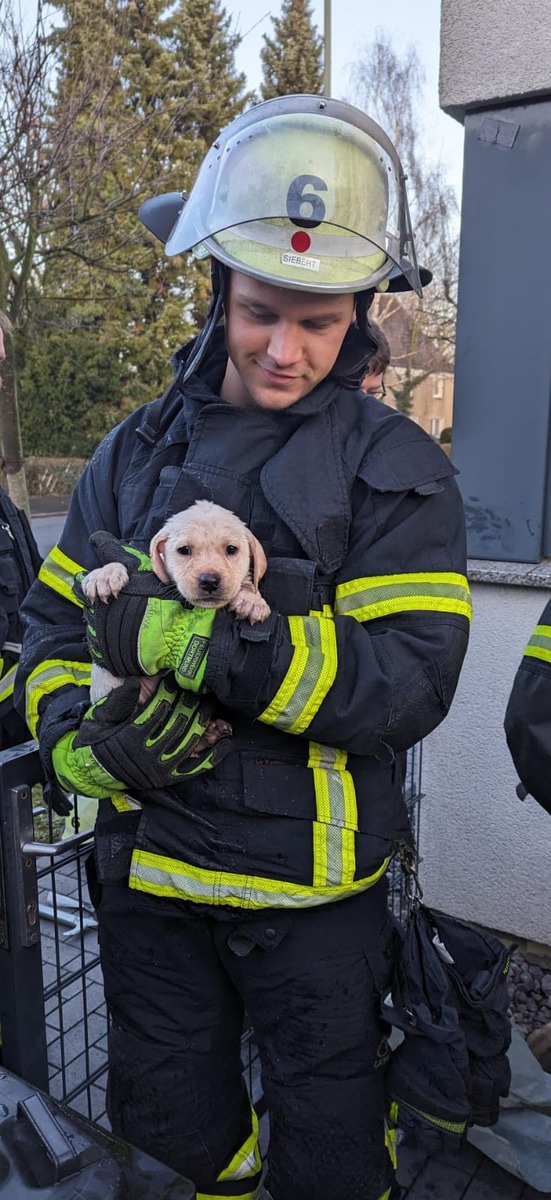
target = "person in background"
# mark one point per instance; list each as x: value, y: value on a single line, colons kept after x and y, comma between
x: 19, y: 565
x: 528, y: 715
x: 252, y: 878
x: 373, y: 383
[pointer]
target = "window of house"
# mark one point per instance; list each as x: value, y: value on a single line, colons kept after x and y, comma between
x: 438, y: 386
x: 435, y: 426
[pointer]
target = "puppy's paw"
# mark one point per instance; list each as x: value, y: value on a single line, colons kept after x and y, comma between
x: 105, y: 582
x: 250, y: 606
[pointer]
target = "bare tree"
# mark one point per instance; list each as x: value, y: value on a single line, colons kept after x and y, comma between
x: 23, y: 69
x: 80, y: 147
x: 389, y: 88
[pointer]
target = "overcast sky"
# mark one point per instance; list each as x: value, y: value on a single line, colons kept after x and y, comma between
x: 408, y: 22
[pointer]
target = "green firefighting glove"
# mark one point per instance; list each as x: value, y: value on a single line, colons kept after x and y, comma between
x: 121, y: 745
x: 148, y: 628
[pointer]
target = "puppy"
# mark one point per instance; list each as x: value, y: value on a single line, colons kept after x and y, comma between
x: 213, y: 561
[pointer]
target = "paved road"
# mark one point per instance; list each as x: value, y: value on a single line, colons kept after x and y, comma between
x: 46, y: 530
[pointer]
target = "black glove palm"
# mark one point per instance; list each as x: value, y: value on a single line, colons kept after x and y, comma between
x: 120, y: 745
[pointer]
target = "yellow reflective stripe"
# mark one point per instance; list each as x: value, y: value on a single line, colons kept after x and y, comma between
x: 537, y: 652
x: 58, y: 572
x: 161, y: 876
x: 539, y: 645
x: 6, y: 684
x: 49, y: 677
x: 380, y: 595
x: 247, y: 1161
x: 334, y: 847
x: 124, y: 803
x: 248, y: 1195
x: 450, y: 1126
x: 390, y: 1143
x: 310, y: 675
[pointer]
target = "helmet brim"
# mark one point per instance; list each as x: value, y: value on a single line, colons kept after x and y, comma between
x: 160, y: 214
x: 398, y: 282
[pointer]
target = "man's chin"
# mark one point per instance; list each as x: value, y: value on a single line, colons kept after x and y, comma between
x: 276, y: 398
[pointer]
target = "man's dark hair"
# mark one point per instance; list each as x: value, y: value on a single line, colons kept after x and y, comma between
x: 380, y: 360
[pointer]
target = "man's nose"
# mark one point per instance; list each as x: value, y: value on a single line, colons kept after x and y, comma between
x: 285, y: 345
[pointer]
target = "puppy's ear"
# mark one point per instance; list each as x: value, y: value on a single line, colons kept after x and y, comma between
x: 156, y: 548
x: 260, y: 562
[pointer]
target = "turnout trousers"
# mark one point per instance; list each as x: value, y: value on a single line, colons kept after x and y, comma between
x: 179, y: 980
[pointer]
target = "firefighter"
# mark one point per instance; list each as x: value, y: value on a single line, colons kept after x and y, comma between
x: 252, y: 880
x: 528, y: 715
x: 19, y: 564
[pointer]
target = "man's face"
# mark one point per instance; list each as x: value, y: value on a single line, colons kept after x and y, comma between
x: 281, y: 343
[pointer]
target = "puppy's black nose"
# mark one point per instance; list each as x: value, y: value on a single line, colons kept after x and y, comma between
x: 209, y: 583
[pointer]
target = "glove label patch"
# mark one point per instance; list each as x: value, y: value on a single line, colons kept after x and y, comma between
x: 196, y: 651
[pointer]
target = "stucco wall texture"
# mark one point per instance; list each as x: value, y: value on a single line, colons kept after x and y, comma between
x: 486, y: 856
x: 493, y: 51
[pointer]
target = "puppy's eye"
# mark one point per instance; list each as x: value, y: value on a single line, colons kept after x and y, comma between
x: 232, y: 549
x: 185, y: 550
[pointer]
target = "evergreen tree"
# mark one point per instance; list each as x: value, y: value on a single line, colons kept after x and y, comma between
x: 142, y: 90
x: 79, y: 386
x: 292, y: 60
x: 205, y: 50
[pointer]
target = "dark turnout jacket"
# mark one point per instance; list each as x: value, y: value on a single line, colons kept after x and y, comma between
x: 362, y: 524
x: 19, y: 564
x: 528, y: 716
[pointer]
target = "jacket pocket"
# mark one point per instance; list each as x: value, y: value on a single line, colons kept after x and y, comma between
x: 9, y: 578
x: 288, y: 585
x: 280, y: 787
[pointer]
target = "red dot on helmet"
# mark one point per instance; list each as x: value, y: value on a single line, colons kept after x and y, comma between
x: 301, y: 241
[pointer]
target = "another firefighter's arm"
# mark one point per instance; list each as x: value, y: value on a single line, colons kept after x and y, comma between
x: 52, y: 685
x: 6, y: 674
x: 382, y: 673
x: 528, y: 715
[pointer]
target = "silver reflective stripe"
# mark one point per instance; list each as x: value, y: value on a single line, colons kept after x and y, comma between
x: 170, y: 877
x: 336, y: 817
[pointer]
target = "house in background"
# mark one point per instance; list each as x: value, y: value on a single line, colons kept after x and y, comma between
x: 432, y: 398
x: 419, y: 380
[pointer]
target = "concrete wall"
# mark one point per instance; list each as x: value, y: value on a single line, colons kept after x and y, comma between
x: 493, y: 51
x: 486, y: 855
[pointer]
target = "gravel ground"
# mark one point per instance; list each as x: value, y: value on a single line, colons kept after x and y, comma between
x: 530, y: 993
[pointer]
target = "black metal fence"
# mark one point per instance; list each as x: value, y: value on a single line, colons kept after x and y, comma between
x: 52, y: 1011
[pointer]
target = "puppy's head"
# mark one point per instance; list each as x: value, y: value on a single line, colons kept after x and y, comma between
x: 206, y: 551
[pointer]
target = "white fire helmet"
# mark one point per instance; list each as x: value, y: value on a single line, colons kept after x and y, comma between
x: 301, y: 192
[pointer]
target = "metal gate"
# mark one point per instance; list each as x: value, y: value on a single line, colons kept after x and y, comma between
x: 53, y: 1017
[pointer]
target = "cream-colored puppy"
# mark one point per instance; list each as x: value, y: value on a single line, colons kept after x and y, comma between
x: 210, y: 556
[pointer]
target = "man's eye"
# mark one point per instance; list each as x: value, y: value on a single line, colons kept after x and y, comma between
x: 185, y: 550
x: 232, y: 550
